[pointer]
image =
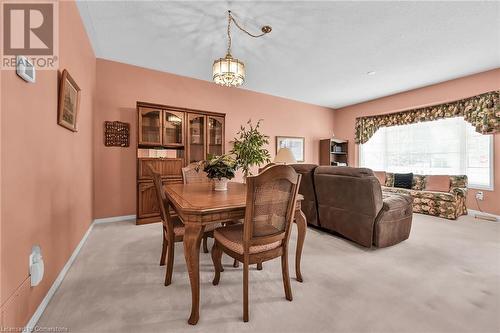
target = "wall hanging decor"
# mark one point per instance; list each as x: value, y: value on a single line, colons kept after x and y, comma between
x: 116, y: 134
x: 69, y: 102
x: 295, y: 144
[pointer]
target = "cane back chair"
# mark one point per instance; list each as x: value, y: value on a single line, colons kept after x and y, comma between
x: 264, y: 235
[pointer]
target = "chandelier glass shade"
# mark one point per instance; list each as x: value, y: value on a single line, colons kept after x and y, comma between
x: 228, y: 71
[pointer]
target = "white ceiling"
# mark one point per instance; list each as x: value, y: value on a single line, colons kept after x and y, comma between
x: 318, y: 52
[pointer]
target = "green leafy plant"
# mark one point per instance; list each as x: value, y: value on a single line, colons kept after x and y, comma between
x: 219, y: 167
x: 249, y: 147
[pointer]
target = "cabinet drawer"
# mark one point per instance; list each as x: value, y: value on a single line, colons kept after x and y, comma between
x: 167, y: 167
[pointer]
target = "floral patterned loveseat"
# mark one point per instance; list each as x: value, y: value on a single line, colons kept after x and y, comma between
x: 449, y: 204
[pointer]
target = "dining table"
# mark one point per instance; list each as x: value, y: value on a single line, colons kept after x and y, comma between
x: 199, y: 205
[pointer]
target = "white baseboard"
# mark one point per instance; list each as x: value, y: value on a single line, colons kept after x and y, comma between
x: 115, y: 219
x: 41, y: 308
x: 473, y: 212
x: 30, y: 326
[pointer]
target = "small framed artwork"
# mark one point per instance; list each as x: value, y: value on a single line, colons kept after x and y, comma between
x: 69, y: 102
x: 295, y: 144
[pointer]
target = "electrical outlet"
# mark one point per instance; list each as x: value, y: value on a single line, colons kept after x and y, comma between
x: 36, y: 265
x: 480, y: 195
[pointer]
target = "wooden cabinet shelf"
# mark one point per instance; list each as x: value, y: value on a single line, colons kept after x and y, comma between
x: 333, y: 152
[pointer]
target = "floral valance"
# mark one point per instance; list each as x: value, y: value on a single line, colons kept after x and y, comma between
x: 482, y: 111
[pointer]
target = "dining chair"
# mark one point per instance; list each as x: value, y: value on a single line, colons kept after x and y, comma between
x: 173, y: 227
x: 267, y: 166
x: 264, y: 235
x: 191, y: 174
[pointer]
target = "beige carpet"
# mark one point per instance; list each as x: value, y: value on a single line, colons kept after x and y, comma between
x: 445, y: 278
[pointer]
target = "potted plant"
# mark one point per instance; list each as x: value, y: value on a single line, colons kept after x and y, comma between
x: 249, y: 148
x: 220, y: 169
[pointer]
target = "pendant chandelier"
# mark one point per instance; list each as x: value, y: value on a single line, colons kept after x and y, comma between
x: 229, y: 71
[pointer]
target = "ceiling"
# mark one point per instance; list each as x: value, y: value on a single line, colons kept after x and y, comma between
x: 318, y: 52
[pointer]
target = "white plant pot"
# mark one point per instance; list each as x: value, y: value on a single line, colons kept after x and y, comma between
x: 220, y: 184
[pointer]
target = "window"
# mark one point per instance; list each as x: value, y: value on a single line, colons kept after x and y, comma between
x: 442, y: 147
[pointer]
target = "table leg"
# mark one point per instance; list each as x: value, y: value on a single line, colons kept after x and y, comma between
x: 300, y: 220
x: 193, y: 233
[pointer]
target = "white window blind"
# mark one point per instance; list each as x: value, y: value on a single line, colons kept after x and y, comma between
x: 442, y: 147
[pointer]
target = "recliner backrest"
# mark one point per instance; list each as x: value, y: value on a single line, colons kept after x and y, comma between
x: 349, y: 200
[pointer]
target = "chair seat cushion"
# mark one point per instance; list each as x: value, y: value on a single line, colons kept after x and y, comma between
x: 396, y: 190
x: 212, y: 227
x: 179, y: 226
x: 231, y: 237
x: 436, y: 196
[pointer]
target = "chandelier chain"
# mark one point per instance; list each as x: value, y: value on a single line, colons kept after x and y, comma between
x: 229, y: 33
x: 231, y: 18
x: 229, y: 71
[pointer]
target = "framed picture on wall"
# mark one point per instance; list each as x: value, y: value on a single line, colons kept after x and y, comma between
x: 69, y: 102
x: 295, y: 144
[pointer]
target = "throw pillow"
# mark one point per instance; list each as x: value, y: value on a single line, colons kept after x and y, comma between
x: 403, y: 180
x: 389, y: 179
x: 380, y: 176
x: 418, y: 182
x: 438, y: 184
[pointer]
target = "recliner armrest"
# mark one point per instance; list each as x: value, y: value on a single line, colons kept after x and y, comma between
x: 393, y: 223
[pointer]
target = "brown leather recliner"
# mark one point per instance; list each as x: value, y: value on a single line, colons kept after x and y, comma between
x: 349, y: 201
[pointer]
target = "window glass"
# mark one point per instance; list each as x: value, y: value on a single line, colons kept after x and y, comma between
x: 442, y: 147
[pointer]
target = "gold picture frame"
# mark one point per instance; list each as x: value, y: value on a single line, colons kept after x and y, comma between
x: 69, y: 102
x: 295, y: 143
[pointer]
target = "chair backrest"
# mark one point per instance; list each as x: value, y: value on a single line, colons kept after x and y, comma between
x: 267, y: 166
x: 162, y: 200
x: 270, y: 206
x: 190, y: 175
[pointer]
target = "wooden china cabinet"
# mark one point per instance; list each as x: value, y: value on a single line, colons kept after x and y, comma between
x: 169, y: 138
x: 205, y: 136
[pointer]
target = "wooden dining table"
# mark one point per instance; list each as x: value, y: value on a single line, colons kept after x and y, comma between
x: 198, y: 205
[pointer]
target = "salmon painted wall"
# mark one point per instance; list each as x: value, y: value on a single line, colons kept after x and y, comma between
x: 1, y: 186
x: 47, y: 189
x: 119, y: 86
x: 430, y: 95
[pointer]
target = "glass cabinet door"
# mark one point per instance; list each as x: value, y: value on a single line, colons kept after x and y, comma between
x: 173, y: 135
x: 215, y: 135
x: 150, y: 126
x: 196, y: 137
